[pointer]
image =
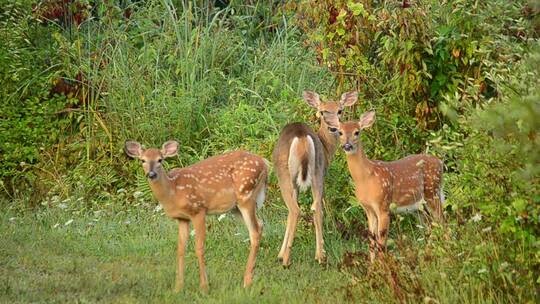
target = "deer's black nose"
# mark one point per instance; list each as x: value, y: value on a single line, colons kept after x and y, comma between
x: 151, y: 175
x: 347, y: 147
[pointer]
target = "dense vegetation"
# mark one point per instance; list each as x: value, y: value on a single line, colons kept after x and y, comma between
x: 458, y: 79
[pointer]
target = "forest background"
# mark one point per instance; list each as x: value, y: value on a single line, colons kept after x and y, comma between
x: 457, y: 79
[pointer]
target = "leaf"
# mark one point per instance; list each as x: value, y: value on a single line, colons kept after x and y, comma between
x: 340, y: 31
x: 356, y: 8
x: 342, y: 14
x: 519, y: 204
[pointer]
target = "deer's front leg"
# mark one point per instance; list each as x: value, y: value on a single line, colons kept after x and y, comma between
x: 200, y: 233
x: 383, y: 224
x: 183, y: 236
x: 372, y: 226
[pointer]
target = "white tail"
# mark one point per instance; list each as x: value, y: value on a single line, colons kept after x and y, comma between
x: 301, y: 158
x: 261, y: 192
x: 407, y: 182
x: 212, y: 186
x: 302, y: 161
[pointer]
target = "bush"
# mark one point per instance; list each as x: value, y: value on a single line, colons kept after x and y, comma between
x: 30, y: 121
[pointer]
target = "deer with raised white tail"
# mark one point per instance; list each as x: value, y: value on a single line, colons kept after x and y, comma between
x: 301, y: 158
x: 407, y: 182
x: 212, y: 186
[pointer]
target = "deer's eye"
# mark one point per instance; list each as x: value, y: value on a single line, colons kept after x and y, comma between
x: 356, y: 133
x: 339, y: 112
x: 160, y: 160
x: 143, y: 161
x: 321, y: 112
x: 332, y: 129
x: 340, y: 133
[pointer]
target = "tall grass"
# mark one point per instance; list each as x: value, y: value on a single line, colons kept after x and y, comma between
x: 185, y: 72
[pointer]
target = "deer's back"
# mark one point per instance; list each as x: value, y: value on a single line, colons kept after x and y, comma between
x: 221, y: 170
x: 410, y: 175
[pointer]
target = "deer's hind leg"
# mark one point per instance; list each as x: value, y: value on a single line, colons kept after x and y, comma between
x: 247, y: 209
x: 317, y: 207
x: 290, y: 196
x: 433, y: 194
x: 435, y: 200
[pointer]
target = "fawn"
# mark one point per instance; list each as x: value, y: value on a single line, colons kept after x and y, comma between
x: 212, y: 186
x: 301, y: 158
x: 406, y: 182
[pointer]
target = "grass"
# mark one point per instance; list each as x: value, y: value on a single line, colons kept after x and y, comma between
x: 127, y: 255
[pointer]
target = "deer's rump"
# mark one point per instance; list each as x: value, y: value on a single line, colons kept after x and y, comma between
x: 295, y: 154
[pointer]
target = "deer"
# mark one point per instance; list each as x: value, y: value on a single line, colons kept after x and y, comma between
x: 380, y: 186
x: 301, y: 158
x: 234, y: 180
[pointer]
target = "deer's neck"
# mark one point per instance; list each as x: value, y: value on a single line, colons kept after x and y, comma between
x: 329, y: 142
x: 359, y: 165
x: 163, y: 188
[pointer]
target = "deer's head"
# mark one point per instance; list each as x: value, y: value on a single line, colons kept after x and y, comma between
x: 330, y: 109
x: 349, y: 132
x: 152, y: 158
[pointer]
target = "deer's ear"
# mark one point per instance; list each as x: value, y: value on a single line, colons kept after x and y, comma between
x: 366, y: 120
x: 133, y: 149
x: 312, y: 99
x: 349, y: 98
x: 169, y: 148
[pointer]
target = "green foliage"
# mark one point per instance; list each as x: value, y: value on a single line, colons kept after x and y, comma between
x: 507, y: 158
x: 30, y: 121
x: 411, y: 58
x: 514, y: 123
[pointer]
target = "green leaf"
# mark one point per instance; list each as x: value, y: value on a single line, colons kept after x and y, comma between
x: 342, y: 14
x: 340, y: 31
x: 325, y: 52
x: 519, y: 204
x: 356, y: 8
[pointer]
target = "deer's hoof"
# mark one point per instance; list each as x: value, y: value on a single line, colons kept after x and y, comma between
x: 204, y: 289
x: 247, y: 282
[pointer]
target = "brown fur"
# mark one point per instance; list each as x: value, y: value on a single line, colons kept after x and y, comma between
x: 212, y: 186
x: 324, y: 146
x: 378, y: 184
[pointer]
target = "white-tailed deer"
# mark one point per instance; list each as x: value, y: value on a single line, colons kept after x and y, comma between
x: 301, y: 158
x: 212, y: 186
x: 407, y: 182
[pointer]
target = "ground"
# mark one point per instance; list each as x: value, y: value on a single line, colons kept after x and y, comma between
x: 129, y: 257
x: 127, y: 254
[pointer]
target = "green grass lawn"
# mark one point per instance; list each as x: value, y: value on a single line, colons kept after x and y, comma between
x: 128, y: 256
